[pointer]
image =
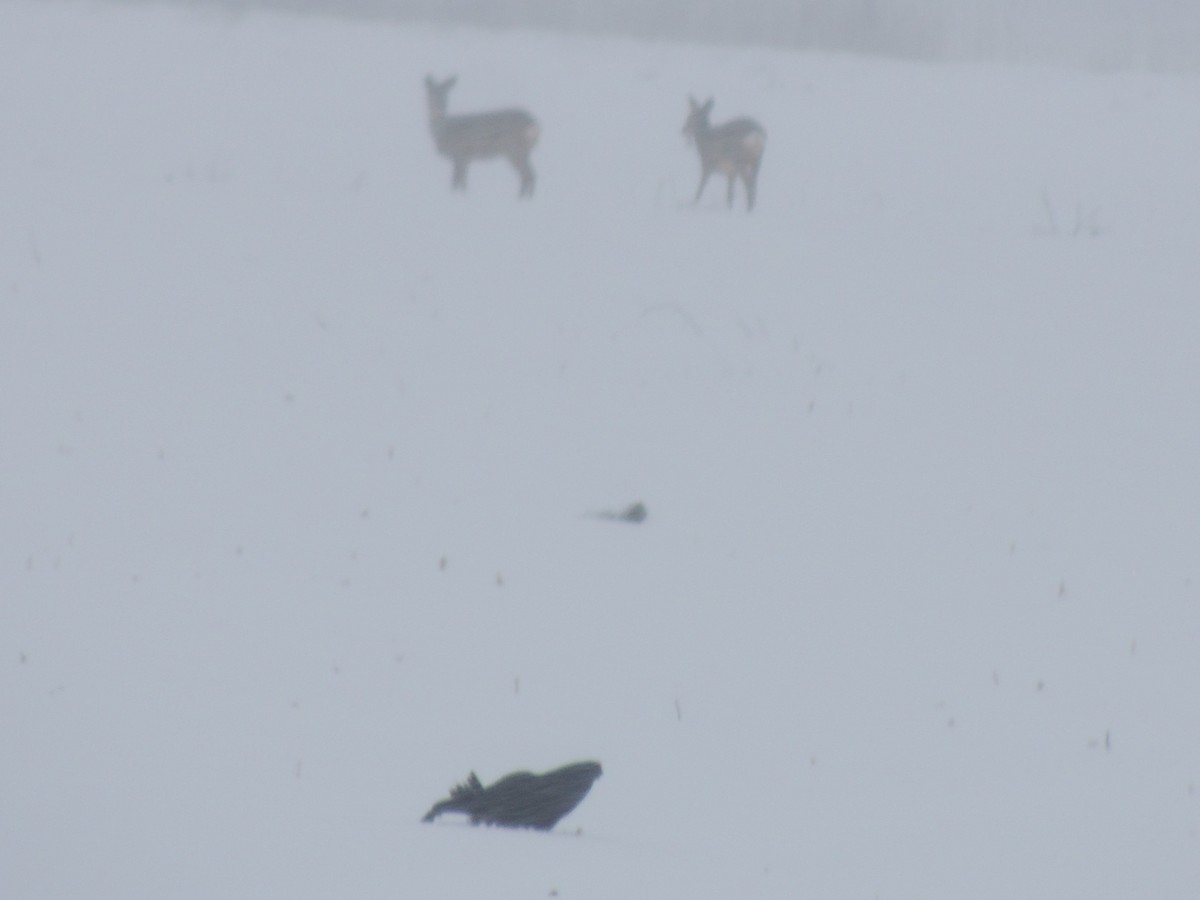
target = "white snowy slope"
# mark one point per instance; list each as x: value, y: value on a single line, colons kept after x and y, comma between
x: 299, y: 451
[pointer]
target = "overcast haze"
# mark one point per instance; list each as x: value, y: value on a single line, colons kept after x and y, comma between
x: 303, y: 452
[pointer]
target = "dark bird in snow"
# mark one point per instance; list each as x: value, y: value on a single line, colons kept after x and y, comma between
x: 522, y: 799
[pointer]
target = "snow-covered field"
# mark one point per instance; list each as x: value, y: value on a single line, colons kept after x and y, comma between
x: 299, y: 450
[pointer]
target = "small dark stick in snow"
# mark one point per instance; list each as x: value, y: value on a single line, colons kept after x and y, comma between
x: 634, y: 512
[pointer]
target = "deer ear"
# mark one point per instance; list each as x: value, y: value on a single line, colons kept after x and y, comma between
x: 429, y: 82
x: 692, y: 103
x: 450, y: 82
x: 708, y: 105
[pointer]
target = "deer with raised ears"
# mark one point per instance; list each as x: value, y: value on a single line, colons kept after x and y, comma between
x: 734, y: 149
x: 510, y: 133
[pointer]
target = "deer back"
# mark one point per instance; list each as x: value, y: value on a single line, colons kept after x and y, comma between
x: 504, y: 132
x: 729, y: 147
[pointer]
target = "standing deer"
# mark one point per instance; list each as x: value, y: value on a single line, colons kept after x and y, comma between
x: 510, y: 133
x: 733, y: 149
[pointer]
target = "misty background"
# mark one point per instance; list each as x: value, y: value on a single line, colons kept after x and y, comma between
x: 1153, y: 35
x: 302, y: 450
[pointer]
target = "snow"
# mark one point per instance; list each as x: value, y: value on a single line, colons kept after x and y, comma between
x: 301, y: 451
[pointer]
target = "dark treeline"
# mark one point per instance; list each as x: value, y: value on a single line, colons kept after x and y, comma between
x: 1157, y: 35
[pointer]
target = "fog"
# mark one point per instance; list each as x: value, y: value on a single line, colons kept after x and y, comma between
x: 1153, y: 35
x: 307, y: 457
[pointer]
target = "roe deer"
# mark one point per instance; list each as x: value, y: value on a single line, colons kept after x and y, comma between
x: 510, y: 133
x: 733, y: 149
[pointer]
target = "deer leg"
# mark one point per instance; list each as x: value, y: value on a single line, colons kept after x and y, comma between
x: 521, y: 164
x: 751, y: 178
x: 729, y: 190
x: 704, y: 173
x: 459, y: 181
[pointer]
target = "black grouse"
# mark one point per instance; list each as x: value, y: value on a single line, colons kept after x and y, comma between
x: 522, y: 799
